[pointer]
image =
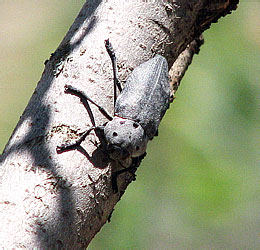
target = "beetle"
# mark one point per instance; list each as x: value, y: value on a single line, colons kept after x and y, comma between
x: 138, y: 109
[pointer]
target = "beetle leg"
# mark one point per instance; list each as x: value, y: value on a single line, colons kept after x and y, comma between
x: 112, y: 56
x: 73, y: 145
x: 117, y: 173
x: 70, y: 146
x: 135, y: 164
x: 83, y: 96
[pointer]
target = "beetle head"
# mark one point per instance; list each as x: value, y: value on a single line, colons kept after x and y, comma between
x: 125, y: 138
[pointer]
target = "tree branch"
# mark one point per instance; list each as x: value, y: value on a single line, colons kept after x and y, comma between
x: 51, y: 200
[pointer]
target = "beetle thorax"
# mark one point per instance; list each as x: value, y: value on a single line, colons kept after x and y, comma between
x: 125, y: 138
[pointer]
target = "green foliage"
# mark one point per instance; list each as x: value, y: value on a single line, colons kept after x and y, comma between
x: 198, y: 187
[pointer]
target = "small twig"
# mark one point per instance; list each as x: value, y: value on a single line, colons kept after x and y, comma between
x: 182, y: 63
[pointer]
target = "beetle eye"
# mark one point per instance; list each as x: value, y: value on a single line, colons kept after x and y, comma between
x: 115, y: 134
x: 135, y: 125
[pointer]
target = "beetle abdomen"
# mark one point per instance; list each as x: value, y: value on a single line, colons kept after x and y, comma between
x: 145, y: 96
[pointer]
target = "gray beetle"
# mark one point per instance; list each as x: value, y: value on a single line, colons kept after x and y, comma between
x: 138, y: 109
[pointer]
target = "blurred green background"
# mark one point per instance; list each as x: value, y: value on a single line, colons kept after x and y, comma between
x: 198, y: 187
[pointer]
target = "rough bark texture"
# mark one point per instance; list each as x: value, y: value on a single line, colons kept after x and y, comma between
x: 50, y: 200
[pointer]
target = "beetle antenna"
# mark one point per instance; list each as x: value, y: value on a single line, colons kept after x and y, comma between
x: 112, y: 56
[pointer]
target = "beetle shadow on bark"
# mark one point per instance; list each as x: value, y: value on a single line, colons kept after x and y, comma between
x: 99, y: 158
x: 51, y: 235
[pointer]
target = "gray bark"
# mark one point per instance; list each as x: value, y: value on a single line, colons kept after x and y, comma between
x: 50, y: 200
